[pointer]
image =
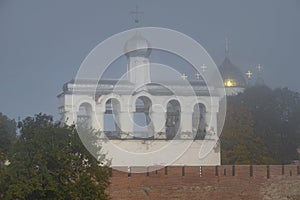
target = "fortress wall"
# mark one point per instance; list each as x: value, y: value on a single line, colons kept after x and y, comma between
x: 208, y: 182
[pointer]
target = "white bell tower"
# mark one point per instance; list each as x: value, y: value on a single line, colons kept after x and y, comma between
x: 138, y: 50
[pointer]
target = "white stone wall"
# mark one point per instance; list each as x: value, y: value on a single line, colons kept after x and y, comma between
x: 180, y: 152
x: 69, y: 107
x: 199, y: 152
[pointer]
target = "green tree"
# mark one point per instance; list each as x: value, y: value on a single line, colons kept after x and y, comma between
x: 239, y: 144
x: 48, y: 161
x: 7, y: 134
x: 276, y: 119
x: 275, y: 116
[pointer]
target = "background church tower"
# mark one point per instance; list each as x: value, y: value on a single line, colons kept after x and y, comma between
x: 233, y: 78
x: 259, y: 80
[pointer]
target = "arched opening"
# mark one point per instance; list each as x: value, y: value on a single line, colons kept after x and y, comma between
x: 199, y: 121
x: 172, y: 119
x: 84, y: 115
x: 143, y: 126
x: 111, y: 117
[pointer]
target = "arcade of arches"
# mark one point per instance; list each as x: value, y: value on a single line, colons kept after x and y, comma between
x: 143, y: 122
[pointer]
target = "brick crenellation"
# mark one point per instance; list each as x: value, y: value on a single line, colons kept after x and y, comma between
x: 208, y: 182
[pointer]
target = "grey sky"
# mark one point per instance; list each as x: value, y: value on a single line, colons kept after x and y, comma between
x: 43, y: 42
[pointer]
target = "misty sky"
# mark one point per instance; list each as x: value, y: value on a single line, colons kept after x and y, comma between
x: 43, y: 42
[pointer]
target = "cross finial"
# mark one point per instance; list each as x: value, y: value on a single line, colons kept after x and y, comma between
x: 184, y: 76
x: 259, y: 67
x: 203, y: 67
x: 197, y: 75
x: 136, y: 12
x: 226, y: 47
x: 249, y: 74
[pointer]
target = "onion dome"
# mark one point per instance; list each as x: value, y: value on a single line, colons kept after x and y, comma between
x: 232, y: 76
x: 137, y: 46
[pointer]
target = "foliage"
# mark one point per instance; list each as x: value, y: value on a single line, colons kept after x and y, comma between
x: 240, y: 145
x: 7, y: 134
x: 48, y: 161
x: 273, y: 122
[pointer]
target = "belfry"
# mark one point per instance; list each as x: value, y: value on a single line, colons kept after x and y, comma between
x: 138, y: 113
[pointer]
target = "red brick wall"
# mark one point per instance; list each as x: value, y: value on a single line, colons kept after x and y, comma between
x: 222, y: 182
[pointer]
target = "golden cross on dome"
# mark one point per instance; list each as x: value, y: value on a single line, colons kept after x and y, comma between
x: 184, y: 76
x: 136, y: 12
x: 197, y: 75
x: 249, y: 74
x: 259, y: 67
x: 203, y: 67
